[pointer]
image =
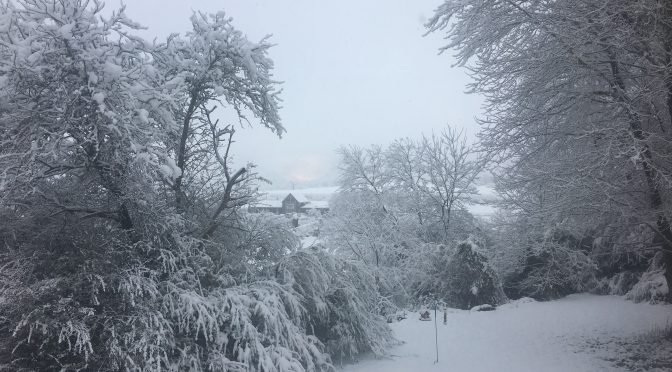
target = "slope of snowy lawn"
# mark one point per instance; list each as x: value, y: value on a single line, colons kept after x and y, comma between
x: 522, y: 336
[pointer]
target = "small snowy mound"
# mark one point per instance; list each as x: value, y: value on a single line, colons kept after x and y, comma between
x: 524, y: 300
x: 397, y: 317
x: 484, y: 307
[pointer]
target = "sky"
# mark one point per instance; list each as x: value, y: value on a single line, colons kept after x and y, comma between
x: 354, y: 72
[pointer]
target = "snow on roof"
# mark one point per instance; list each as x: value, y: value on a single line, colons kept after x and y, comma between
x: 299, y: 197
x: 317, y: 198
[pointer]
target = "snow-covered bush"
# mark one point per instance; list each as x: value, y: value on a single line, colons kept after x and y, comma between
x: 619, y: 284
x: 364, y: 228
x: 95, y: 301
x: 341, y: 301
x: 553, y: 266
x: 622, y: 255
x: 251, y: 244
x: 652, y: 286
x: 461, y: 277
x: 545, y: 265
x: 261, y: 330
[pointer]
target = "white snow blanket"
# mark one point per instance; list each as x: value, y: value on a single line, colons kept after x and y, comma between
x: 521, y: 336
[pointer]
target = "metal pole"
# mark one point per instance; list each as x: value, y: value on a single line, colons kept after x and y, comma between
x: 436, y: 334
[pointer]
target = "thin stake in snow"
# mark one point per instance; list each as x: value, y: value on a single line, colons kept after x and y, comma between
x: 436, y: 334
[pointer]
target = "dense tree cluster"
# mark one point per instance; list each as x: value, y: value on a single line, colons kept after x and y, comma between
x: 579, y: 118
x: 123, y: 243
x: 402, y: 211
x: 461, y: 277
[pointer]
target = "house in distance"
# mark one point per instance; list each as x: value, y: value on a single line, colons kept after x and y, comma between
x: 294, y: 202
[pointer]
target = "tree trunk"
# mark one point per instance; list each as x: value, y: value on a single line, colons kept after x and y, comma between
x: 182, y: 153
x: 226, y: 198
x: 125, y: 219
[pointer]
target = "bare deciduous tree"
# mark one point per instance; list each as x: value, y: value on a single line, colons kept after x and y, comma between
x: 449, y: 166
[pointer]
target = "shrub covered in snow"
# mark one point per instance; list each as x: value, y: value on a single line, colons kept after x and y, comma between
x: 652, y: 286
x: 95, y: 301
x: 619, y: 284
x: 461, y: 277
x: 341, y: 302
x: 553, y: 266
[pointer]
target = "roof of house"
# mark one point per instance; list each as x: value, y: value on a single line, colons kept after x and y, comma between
x: 299, y: 197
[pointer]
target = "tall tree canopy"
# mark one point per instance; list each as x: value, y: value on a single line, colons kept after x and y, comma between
x: 122, y: 244
x: 579, y: 109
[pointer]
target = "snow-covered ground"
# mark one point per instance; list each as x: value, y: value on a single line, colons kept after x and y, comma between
x: 570, y: 334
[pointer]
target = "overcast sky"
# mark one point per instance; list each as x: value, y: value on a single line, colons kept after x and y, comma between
x: 353, y: 72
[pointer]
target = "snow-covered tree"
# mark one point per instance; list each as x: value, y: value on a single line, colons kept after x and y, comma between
x: 82, y: 123
x: 460, y: 277
x: 359, y: 229
x: 432, y: 178
x: 215, y: 65
x: 395, y: 199
x: 449, y: 166
x: 80, y: 148
x: 123, y: 245
x: 578, y: 108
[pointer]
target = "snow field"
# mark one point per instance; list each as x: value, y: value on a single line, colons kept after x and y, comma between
x: 520, y: 336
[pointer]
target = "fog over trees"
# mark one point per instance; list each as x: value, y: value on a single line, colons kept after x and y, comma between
x: 127, y: 241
